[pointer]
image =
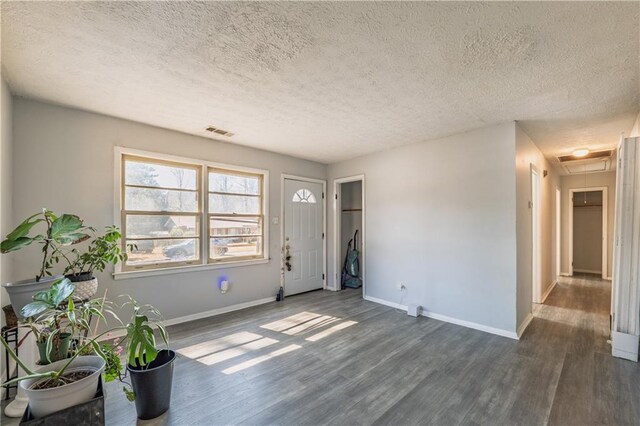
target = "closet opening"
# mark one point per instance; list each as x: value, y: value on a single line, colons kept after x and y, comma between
x: 350, y: 235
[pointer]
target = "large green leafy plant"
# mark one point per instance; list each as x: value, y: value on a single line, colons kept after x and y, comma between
x: 102, y: 251
x: 63, y: 230
x: 56, y: 306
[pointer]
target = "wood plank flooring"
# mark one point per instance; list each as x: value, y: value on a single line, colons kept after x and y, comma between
x: 333, y: 358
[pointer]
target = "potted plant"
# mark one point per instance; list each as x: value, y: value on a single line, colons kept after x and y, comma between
x: 102, y: 251
x: 66, y: 382
x: 47, y: 319
x: 151, y: 370
x: 60, y: 231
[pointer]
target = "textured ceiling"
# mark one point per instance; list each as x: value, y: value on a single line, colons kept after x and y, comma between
x: 331, y: 81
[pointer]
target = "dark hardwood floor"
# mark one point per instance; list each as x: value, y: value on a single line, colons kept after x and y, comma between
x: 333, y: 358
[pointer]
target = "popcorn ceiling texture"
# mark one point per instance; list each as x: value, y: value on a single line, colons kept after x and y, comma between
x: 332, y: 81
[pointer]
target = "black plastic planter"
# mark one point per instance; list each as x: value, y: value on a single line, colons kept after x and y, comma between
x: 152, y: 385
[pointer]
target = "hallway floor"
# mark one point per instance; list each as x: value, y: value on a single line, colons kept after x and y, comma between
x: 334, y: 358
x: 571, y: 330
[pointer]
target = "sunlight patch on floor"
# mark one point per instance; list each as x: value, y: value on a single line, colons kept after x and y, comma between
x: 237, y: 351
x: 330, y: 331
x: 291, y: 322
x: 257, y: 360
x: 217, y: 345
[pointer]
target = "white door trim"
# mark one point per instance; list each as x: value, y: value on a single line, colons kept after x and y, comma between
x: 283, y: 177
x: 558, y: 226
x: 336, y: 230
x: 536, y: 235
x: 605, y: 236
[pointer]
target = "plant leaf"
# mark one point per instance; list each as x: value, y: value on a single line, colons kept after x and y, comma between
x: 15, y: 244
x: 64, y: 225
x: 34, y: 308
x: 23, y: 229
x: 61, y: 290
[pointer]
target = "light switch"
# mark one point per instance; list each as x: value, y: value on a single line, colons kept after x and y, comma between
x: 275, y: 220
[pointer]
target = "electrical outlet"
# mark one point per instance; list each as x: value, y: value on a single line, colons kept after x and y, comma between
x: 400, y: 286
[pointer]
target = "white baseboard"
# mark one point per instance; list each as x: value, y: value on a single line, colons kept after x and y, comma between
x: 451, y: 320
x: 525, y: 324
x: 205, y: 314
x: 549, y: 290
x: 565, y: 274
x: 609, y: 278
x: 588, y: 271
x: 625, y: 345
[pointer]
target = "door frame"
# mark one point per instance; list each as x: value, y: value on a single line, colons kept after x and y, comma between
x: 605, y: 236
x: 558, y: 226
x: 283, y: 177
x: 536, y: 235
x: 337, y: 190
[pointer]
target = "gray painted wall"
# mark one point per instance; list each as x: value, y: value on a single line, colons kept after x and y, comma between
x: 607, y: 179
x: 64, y: 161
x: 441, y: 218
x: 6, y: 154
x: 527, y: 153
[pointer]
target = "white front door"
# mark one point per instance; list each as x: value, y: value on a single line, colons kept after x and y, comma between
x: 303, y: 236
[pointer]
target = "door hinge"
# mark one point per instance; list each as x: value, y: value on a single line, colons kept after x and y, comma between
x: 336, y: 196
x: 323, y: 235
x: 323, y: 276
x: 323, y: 195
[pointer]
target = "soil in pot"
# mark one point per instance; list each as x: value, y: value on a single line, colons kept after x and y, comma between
x: 59, y: 349
x: 65, y: 379
x: 152, y: 385
x: 82, y: 276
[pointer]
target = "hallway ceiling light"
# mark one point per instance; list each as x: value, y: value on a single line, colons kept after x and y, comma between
x: 580, y: 152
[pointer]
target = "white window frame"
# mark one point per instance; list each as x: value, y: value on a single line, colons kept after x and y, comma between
x: 203, y: 263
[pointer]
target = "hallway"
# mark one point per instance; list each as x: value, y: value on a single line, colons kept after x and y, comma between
x: 571, y: 330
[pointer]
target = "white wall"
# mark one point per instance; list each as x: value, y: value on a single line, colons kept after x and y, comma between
x: 607, y: 179
x: 527, y: 153
x: 64, y: 161
x: 440, y: 217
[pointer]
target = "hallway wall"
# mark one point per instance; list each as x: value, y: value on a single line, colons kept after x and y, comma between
x: 527, y: 153
x: 440, y: 218
x: 607, y: 179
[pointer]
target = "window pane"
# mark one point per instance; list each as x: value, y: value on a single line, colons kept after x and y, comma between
x: 147, y: 199
x: 228, y: 248
x: 219, y: 203
x: 163, y: 251
x: 149, y: 174
x: 222, y: 182
x: 221, y: 226
x: 161, y: 226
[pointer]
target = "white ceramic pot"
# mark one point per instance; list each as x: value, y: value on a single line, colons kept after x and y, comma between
x: 43, y: 402
x: 85, y: 290
x: 22, y: 292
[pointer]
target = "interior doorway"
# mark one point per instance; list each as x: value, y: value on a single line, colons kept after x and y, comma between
x: 536, y: 220
x: 588, y: 231
x: 350, y: 234
x: 303, y: 234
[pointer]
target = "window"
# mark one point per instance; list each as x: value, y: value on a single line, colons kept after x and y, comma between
x: 304, y: 196
x: 161, y: 213
x: 235, y: 215
x: 172, y: 217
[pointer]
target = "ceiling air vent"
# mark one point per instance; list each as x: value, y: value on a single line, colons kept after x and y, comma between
x: 219, y: 131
